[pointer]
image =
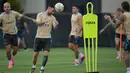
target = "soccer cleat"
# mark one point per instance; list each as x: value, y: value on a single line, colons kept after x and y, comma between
x: 13, y: 62
x: 10, y: 66
x: 75, y: 63
x: 118, y: 57
x: 82, y: 59
x: 128, y: 72
x: 32, y: 70
x: 42, y: 71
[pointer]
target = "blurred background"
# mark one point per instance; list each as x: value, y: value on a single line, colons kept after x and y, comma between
x: 32, y: 7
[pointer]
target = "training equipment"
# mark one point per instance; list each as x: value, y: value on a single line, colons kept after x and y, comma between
x: 90, y: 30
x: 59, y: 7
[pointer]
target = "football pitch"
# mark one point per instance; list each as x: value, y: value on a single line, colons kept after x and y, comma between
x: 60, y: 61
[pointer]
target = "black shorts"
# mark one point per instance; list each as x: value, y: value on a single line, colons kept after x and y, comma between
x: 10, y: 39
x: 117, y: 35
x: 74, y: 40
x: 42, y: 44
x: 21, y: 33
x: 127, y: 45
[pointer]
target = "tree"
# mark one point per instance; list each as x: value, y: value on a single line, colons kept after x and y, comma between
x: 15, y: 5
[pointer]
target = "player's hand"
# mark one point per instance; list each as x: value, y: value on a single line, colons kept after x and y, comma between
x: 107, y: 17
x: 76, y: 36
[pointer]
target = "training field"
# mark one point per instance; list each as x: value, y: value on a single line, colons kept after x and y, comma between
x: 60, y: 61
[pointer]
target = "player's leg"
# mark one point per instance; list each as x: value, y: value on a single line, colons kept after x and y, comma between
x: 78, y: 53
x: 8, y: 49
x: 46, y: 49
x: 117, y: 45
x: 126, y: 55
x: 37, y: 48
x: 23, y: 43
x: 19, y: 39
x: 127, y: 60
x: 14, y: 45
x: 72, y: 47
x: 22, y: 40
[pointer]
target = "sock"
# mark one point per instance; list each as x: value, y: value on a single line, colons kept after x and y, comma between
x: 12, y: 57
x: 128, y: 69
x: 45, y: 59
x: 80, y: 54
x: 42, y: 68
x: 76, y: 60
x: 10, y: 62
x: 34, y: 66
x: 118, y: 53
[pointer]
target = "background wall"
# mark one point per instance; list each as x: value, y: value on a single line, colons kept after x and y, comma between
x: 33, y: 6
x: 111, y: 5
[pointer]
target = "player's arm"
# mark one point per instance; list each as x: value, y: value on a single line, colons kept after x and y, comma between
x: 55, y: 23
x: 26, y: 27
x: 38, y: 20
x: 114, y: 24
x: 120, y: 20
x: 80, y: 24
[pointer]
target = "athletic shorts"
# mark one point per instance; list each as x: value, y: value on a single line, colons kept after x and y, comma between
x: 117, y: 35
x: 74, y: 40
x: 42, y: 44
x: 21, y: 33
x: 127, y: 45
x: 10, y: 39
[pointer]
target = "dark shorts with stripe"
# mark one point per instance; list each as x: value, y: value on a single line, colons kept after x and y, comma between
x: 117, y: 35
x: 42, y: 44
x: 127, y: 45
x: 74, y: 40
x: 21, y: 33
x: 10, y: 39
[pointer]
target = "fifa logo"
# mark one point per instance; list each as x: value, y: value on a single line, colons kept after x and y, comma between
x: 90, y: 22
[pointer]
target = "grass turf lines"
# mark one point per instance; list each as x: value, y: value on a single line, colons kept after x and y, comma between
x: 60, y: 61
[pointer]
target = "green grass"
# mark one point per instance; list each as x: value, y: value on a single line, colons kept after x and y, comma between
x: 60, y: 61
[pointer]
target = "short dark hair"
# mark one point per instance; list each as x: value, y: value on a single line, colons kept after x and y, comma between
x: 125, y: 5
x: 74, y: 5
x: 52, y: 6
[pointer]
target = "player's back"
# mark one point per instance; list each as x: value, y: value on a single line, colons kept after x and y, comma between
x: 44, y: 31
x: 75, y: 26
x: 127, y: 23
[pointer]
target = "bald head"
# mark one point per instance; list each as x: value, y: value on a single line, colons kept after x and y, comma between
x: 7, y: 7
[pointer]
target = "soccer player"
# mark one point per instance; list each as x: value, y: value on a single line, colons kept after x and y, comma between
x: 115, y: 15
x: 75, y: 34
x: 22, y: 27
x: 45, y: 21
x: 8, y: 20
x: 125, y: 19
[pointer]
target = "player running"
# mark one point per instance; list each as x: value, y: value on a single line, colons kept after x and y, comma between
x: 75, y: 34
x: 125, y: 20
x: 8, y: 20
x: 22, y: 27
x: 45, y: 21
x: 115, y: 15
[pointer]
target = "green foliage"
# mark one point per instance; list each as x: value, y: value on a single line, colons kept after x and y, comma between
x: 15, y: 5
